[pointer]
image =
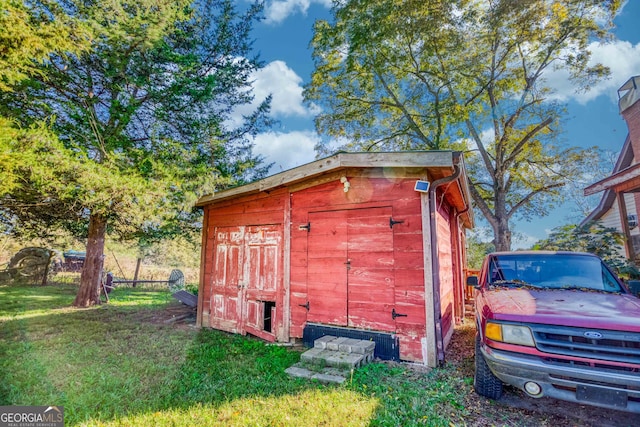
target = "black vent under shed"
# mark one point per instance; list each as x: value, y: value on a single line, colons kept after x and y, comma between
x: 387, y: 345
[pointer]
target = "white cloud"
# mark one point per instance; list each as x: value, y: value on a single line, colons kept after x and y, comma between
x: 622, y: 57
x: 277, y: 11
x: 277, y: 79
x: 286, y: 150
x: 285, y: 86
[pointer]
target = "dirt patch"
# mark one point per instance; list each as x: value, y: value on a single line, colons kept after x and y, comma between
x: 517, y: 409
x: 175, y: 314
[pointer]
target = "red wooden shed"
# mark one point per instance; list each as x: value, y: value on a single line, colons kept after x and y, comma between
x: 361, y: 245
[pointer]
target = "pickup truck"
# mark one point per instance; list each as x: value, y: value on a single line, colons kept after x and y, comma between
x: 556, y: 324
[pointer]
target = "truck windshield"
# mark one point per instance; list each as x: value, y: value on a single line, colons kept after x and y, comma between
x: 551, y: 271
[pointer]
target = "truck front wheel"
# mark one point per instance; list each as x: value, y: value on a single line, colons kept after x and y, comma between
x: 484, y: 382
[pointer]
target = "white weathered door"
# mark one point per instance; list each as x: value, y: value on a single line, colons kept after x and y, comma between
x: 226, y: 290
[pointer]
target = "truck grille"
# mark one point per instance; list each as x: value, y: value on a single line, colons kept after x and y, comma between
x: 614, y: 346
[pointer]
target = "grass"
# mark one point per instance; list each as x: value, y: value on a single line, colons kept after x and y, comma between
x: 118, y: 365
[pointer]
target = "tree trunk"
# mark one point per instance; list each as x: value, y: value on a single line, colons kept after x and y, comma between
x: 91, y: 276
x: 497, y: 218
x: 502, y: 235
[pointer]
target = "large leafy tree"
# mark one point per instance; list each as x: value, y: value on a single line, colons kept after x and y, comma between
x: 595, y: 238
x: 143, y: 118
x: 465, y: 74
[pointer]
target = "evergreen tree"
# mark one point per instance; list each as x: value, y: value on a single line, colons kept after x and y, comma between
x: 143, y: 117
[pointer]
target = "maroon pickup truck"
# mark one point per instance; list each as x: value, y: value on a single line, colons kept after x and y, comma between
x: 557, y: 324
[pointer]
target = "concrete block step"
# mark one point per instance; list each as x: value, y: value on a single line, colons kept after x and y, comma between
x: 347, y: 353
x: 345, y: 345
x: 299, y: 372
x: 339, y: 359
x: 332, y: 358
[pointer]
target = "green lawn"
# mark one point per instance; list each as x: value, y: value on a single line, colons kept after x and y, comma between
x: 113, y: 366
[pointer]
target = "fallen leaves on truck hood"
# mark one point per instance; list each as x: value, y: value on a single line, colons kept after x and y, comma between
x: 565, y: 307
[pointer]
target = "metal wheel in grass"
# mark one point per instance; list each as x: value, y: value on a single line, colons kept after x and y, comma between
x: 30, y: 262
x: 176, y: 281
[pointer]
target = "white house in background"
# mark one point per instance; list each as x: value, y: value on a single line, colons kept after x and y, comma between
x: 620, y: 203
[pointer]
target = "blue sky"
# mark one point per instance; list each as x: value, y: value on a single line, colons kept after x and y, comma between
x: 282, y: 41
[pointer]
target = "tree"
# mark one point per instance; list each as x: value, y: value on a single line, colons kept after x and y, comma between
x: 477, y: 250
x: 27, y: 40
x: 142, y: 118
x: 595, y: 238
x: 470, y: 75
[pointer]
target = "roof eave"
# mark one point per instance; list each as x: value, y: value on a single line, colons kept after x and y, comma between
x: 338, y: 161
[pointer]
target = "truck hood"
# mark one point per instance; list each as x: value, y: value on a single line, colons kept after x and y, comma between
x: 564, y: 307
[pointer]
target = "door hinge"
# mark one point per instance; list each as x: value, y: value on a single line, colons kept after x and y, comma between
x: 393, y: 222
x: 306, y: 226
x: 394, y: 314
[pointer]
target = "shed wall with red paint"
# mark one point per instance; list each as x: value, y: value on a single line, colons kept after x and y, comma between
x: 345, y: 246
x: 243, y: 271
x: 351, y: 254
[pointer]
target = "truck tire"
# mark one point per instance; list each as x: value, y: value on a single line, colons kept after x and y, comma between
x: 484, y: 382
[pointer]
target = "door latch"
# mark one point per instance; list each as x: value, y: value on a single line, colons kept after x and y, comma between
x: 305, y: 305
x: 348, y: 264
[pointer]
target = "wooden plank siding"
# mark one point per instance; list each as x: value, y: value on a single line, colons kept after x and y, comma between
x: 370, y: 278
x: 409, y: 273
x: 296, y: 248
x: 391, y: 164
x: 458, y: 243
x: 390, y: 276
x: 445, y: 257
x: 244, y: 264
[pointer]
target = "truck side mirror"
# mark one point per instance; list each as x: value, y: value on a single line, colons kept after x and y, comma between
x: 472, y: 281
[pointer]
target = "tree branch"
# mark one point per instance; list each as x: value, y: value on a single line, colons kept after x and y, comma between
x: 531, y: 195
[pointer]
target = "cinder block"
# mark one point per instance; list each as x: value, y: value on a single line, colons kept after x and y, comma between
x: 326, y: 378
x: 345, y: 360
x: 311, y: 355
x: 347, y: 345
x: 322, y: 341
x: 335, y: 343
x: 298, y: 372
x: 363, y: 347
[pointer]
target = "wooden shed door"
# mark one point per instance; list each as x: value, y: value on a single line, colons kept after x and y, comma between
x: 226, y: 289
x: 247, y: 292
x: 262, y: 272
x: 350, y: 274
x: 327, y: 268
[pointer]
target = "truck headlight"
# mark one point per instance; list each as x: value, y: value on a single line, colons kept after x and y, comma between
x: 511, y: 334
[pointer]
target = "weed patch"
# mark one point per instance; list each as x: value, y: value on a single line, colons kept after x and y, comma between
x: 410, y: 397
